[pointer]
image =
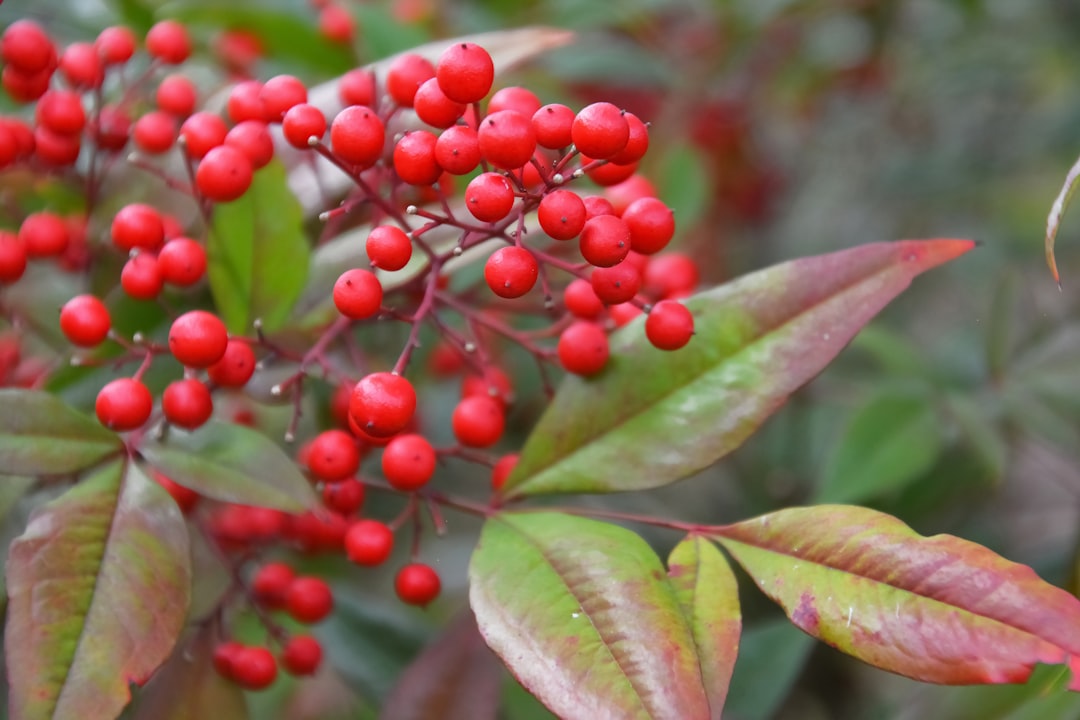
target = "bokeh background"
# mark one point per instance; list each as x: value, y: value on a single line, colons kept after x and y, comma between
x: 783, y: 128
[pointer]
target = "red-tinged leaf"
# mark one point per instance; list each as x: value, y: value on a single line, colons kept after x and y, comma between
x: 187, y: 687
x: 938, y: 609
x: 583, y: 615
x: 40, y: 435
x: 653, y: 417
x: 99, y: 586
x: 231, y: 463
x: 1057, y: 210
x: 456, y: 678
x: 709, y: 596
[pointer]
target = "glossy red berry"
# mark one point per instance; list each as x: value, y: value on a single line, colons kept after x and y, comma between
x: 185, y: 498
x: 223, y: 657
x: 301, y: 123
x: 600, y: 130
x: 345, y: 497
x: 141, y: 276
x: 198, y: 339
x: 168, y: 41
x: 465, y: 72
x: 382, y: 404
x: 124, y: 404
x: 224, y: 174
x: 489, y: 197
x: 458, y: 150
x: 357, y: 87
x: 670, y: 274
x: 616, y: 284
x: 182, y: 262
x: 506, y: 139
x: 245, y: 102
x: 369, y: 542
x: 405, y: 75
x: 111, y: 129
x: 309, y: 599
x: 55, y: 149
x: 115, y: 45
x: 552, y: 124
x: 155, y: 132
x: 187, y: 403
x: 44, y: 234
x: 253, y: 668
x: 581, y: 300
x: 408, y: 462
x: 388, y: 247
x: 85, y: 321
x: 176, y: 94
x: 61, y: 111
x: 583, y: 348
x: 519, y: 99
x: 478, y: 421
x: 202, y: 132
x: 435, y: 108
x: 279, y: 94
x: 511, y: 272
x: 651, y: 224
x: 503, y: 467
x: 26, y: 47
x: 333, y: 456
x: 12, y: 257
x: 358, y: 294
x: 357, y: 136
x: 301, y: 655
x: 494, y: 383
x: 636, y: 144
x: 137, y: 226
x: 270, y: 584
x: 414, y: 158
x: 336, y: 24
x: 670, y: 325
x: 417, y: 584
x: 561, y: 214
x: 607, y: 174
x: 253, y: 139
x: 235, y: 367
x: 605, y: 241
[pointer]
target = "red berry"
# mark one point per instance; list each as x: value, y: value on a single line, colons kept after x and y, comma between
x: 507, y: 139
x: 155, y: 132
x: 405, y: 75
x: 357, y: 136
x: 182, y: 262
x: 636, y: 144
x: 44, y: 234
x: 581, y: 300
x: 518, y: 99
x: 201, y: 133
x: 358, y: 294
x: 187, y: 403
x: 369, y: 542
x: 458, y: 150
x: 600, y: 130
x: 552, y: 124
x: 388, y: 247
x: 345, y: 497
x: 137, y: 226
x: 168, y: 41
x: 635, y: 187
x: 61, y: 111
x: 12, y: 257
x: 333, y: 456
x: 382, y: 404
x: 224, y: 656
x: 270, y: 584
x: 357, y: 87
x: 511, y: 272
x: 465, y: 72
x: 503, y: 467
x: 414, y: 158
x: 670, y: 274
x: 301, y: 123
x: 651, y: 224
x: 417, y: 584
x: 176, y: 94
x: 224, y: 174
x: 616, y: 284
x: 245, y: 102
x: 301, y: 655
x: 115, y: 44
x: 141, y: 276
x: 81, y: 65
x: 494, y: 383
x: 26, y: 47
x: 85, y: 321
x: 279, y: 94
x: 253, y: 139
x: 489, y: 197
x: 185, y: 498
x: 253, y: 668
x: 239, y: 50
x: 55, y: 149
x: 669, y: 326
x: 309, y: 599
x: 562, y: 214
x: 434, y: 108
x: 336, y: 24
x: 198, y: 339
x: 235, y: 367
x: 123, y: 404
x: 623, y: 313
x: 111, y: 129
x: 478, y: 421
x: 605, y: 241
x: 583, y: 348
x: 608, y: 174
x: 25, y: 87
x: 408, y: 462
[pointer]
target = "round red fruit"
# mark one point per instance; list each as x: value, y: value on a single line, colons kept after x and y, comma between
x: 176, y: 94
x: 369, y: 542
x: 507, y: 139
x: 84, y: 320
x: 581, y: 300
x: 357, y: 136
x: 408, y: 462
x: 224, y: 174
x: 270, y: 584
x: 651, y: 224
x: 503, y: 467
x: 301, y: 655
x: 434, y: 108
x: 511, y: 272
x: 489, y: 197
x: 605, y: 241
x: 478, y: 421
x: 345, y: 497
x: 141, y: 276
x: 583, y: 348
x: 12, y: 257
x: 414, y: 158
x: 600, y: 130
x: 253, y: 668
x: 279, y: 94
x: 465, y: 72
x: 458, y: 150
x: 405, y: 75
x: 201, y: 133
x: 382, y: 404
x: 388, y: 247
x: 155, y: 132
x: 168, y: 41
x: 309, y: 599
x: 302, y: 123
x: 235, y: 367
x: 417, y: 584
x: 137, y: 226
x: 670, y: 325
x: 333, y: 456
x: 44, y: 234
x: 616, y: 284
x: 198, y: 339
x: 358, y: 294
x: 562, y: 214
x: 124, y: 404
x: 187, y: 403
x: 182, y: 262
x: 27, y: 47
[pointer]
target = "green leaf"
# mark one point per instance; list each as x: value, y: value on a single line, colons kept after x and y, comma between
x: 709, y: 597
x: 257, y: 254
x: 456, y: 678
x: 892, y: 440
x: 686, y: 184
x: 653, y: 417
x: 99, y: 587
x: 937, y: 609
x: 583, y: 615
x: 231, y: 463
x: 40, y: 435
x: 771, y: 656
x: 187, y: 687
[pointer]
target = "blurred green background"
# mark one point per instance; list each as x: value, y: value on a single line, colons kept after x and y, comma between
x: 783, y: 128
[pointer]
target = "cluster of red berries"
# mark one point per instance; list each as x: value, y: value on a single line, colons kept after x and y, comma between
x: 592, y: 259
